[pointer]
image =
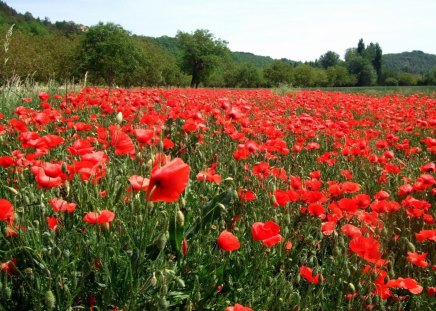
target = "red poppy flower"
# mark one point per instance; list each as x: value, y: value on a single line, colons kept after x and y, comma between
x: 169, y: 181
x: 228, y: 242
x: 246, y: 195
x: 351, y: 231
x: 307, y: 273
x: 210, y: 175
x: 350, y: 187
x: 417, y: 259
x: 407, y: 283
x: 261, y: 231
x: 6, y: 161
x: 138, y: 183
x: 103, y: 218
x: 52, y: 222
x: 426, y: 235
x: 267, y: 232
x: 367, y: 248
x: 45, y: 177
x: 238, y: 307
x: 6, y: 211
x: 60, y: 205
x: 122, y: 143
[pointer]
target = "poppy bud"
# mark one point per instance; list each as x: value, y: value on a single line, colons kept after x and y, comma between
x: 180, y: 218
x: 153, y: 280
x: 49, y: 299
x: 14, y: 191
x: 119, y: 117
x: 410, y: 246
x: 161, y: 241
x: 352, y: 288
x: 163, y: 303
x: 180, y: 282
x: 222, y: 207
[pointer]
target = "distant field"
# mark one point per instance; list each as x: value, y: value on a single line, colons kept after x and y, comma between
x: 377, y: 90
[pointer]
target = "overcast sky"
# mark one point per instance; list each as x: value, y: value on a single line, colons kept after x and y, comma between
x: 300, y: 30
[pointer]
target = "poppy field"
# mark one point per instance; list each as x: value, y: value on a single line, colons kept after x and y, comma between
x: 183, y: 199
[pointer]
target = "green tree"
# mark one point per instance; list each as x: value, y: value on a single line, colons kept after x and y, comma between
x: 244, y: 75
x: 279, y: 72
x: 109, y: 54
x: 430, y: 77
x: 304, y: 75
x: 200, y: 53
x: 329, y: 59
x: 360, y: 47
x: 405, y: 78
x: 338, y: 76
x: 360, y: 67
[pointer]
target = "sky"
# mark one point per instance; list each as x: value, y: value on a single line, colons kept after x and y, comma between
x: 300, y: 30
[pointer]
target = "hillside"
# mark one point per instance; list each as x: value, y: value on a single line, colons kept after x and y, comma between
x: 28, y: 24
x: 416, y: 62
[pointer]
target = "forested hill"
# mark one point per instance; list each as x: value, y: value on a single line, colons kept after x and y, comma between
x: 170, y: 44
x: 28, y: 24
x: 416, y: 62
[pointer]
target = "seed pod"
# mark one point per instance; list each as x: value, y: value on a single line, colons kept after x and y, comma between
x: 180, y: 217
x: 352, y: 288
x: 49, y: 299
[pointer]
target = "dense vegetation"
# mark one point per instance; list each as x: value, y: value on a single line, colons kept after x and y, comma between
x: 201, y: 199
x: 108, y: 54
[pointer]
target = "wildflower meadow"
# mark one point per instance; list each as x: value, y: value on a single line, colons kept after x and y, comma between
x: 201, y: 199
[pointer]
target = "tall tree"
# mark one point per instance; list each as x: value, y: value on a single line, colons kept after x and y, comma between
x: 200, y: 53
x: 360, y: 47
x: 110, y: 55
x: 377, y: 63
x: 329, y: 59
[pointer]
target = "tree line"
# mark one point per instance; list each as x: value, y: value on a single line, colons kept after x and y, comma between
x: 107, y: 54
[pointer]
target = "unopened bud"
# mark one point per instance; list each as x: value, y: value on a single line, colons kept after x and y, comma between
x: 180, y: 218
x: 13, y: 190
x: 119, y: 117
x: 153, y: 280
x: 49, y: 299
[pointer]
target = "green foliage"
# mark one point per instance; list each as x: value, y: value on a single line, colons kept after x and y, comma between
x: 338, y: 76
x: 430, y: 77
x: 200, y: 46
x: 245, y: 76
x: 277, y: 73
x: 329, y: 59
x: 416, y: 62
x: 405, y: 78
x: 304, y: 75
x: 109, y: 55
x: 256, y: 60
